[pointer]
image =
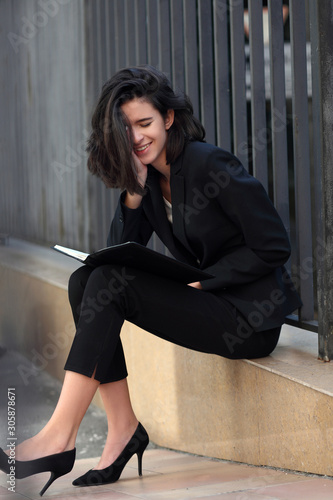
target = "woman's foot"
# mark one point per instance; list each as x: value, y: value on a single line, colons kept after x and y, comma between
x: 112, y: 472
x: 115, y: 443
x: 41, y: 446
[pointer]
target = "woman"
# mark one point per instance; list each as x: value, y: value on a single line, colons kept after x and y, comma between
x: 210, y: 213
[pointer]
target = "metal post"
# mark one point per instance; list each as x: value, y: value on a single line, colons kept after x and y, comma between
x: 301, y: 150
x: 279, y: 113
x: 239, y: 107
x: 321, y: 16
x: 258, y: 98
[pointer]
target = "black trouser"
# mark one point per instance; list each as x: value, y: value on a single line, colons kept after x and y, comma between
x: 102, y: 298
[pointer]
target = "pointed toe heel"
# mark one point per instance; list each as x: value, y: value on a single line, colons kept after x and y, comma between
x: 58, y: 464
x: 136, y: 445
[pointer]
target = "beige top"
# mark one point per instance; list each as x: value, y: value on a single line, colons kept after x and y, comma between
x: 168, y: 208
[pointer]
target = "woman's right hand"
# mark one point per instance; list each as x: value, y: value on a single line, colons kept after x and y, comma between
x: 141, y: 168
x: 134, y: 200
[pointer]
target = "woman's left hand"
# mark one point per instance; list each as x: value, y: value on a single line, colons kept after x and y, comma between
x: 196, y: 284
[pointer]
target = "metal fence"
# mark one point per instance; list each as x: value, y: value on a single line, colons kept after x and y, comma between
x: 259, y: 77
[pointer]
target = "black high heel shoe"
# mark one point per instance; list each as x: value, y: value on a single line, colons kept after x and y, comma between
x: 58, y: 464
x: 137, y: 444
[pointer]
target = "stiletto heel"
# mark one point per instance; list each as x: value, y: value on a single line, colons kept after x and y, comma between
x: 139, y: 454
x: 136, y: 445
x: 58, y: 464
x: 53, y: 477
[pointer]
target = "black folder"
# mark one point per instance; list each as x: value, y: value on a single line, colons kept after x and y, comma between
x: 137, y: 256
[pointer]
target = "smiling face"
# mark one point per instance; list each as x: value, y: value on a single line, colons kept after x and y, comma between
x: 149, y: 131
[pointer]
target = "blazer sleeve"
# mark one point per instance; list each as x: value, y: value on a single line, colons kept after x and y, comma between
x: 129, y: 225
x: 264, y: 244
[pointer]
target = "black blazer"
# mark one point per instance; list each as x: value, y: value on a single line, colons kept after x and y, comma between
x: 224, y: 223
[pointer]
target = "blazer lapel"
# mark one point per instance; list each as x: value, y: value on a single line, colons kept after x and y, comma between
x: 155, y: 211
x: 177, y: 184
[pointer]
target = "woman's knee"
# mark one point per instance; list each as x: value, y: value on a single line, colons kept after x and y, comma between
x: 77, y: 283
x: 113, y: 277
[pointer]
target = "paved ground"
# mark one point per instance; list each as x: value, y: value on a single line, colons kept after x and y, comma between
x: 169, y: 475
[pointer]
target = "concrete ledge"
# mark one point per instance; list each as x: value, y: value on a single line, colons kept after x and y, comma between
x: 263, y: 412
x: 275, y: 411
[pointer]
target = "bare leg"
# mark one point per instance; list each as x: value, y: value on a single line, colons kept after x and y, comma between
x: 122, y: 421
x: 60, y: 432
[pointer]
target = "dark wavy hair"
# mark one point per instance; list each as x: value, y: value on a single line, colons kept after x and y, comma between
x: 110, y: 145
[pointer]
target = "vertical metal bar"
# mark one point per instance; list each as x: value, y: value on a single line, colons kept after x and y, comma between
x: 102, y: 47
x: 177, y: 41
x: 83, y: 194
x: 96, y: 22
x: 120, y: 38
x: 109, y: 39
x: 301, y: 152
x: 102, y: 76
x: 258, y: 99
x: 141, y: 32
x: 319, y: 248
x: 91, y: 96
x: 152, y: 32
x: 164, y: 34
x: 99, y: 45
x: 191, y: 54
x: 222, y: 76
x: 89, y: 40
x: 278, y: 112
x: 110, y: 66
x: 207, y: 89
x: 316, y: 119
x: 130, y: 33
x: 5, y: 102
x: 240, y: 137
x: 27, y: 80
x: 321, y: 15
